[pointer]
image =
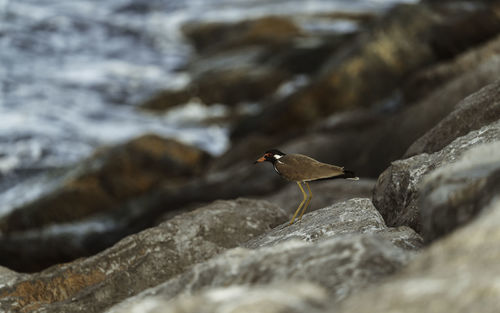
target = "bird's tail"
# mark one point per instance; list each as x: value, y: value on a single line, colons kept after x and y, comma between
x: 349, y: 175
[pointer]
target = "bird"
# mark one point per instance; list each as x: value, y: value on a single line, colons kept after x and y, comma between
x: 303, y: 169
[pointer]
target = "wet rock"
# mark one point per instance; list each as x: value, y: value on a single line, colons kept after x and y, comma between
x: 397, y: 192
x: 370, y: 70
x: 142, y: 260
x: 453, y: 195
x: 455, y: 274
x: 470, y: 114
x: 341, y: 261
x: 96, y: 196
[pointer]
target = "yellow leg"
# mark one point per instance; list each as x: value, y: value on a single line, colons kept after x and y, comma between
x: 301, y: 204
x: 308, y: 201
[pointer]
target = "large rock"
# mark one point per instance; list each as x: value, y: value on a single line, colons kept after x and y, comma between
x: 93, y: 206
x: 342, y: 248
x: 470, y: 114
x: 457, y: 274
x: 353, y: 216
x: 142, y: 260
x: 453, y: 195
x: 397, y: 192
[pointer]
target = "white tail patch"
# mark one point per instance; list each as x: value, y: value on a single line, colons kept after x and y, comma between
x: 353, y: 178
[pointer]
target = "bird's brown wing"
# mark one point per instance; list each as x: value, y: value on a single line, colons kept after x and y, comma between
x: 298, y: 167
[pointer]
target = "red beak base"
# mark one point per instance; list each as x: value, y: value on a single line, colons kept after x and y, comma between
x: 259, y: 160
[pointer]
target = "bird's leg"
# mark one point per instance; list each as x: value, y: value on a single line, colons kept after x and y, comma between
x: 308, y: 201
x: 301, y: 204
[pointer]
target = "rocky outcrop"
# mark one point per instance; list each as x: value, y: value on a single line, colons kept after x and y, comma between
x: 342, y: 248
x: 455, y: 274
x: 142, y: 260
x: 397, y: 192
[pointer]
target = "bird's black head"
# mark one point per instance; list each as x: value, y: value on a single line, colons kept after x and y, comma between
x: 271, y: 156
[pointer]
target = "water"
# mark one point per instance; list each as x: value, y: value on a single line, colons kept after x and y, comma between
x: 73, y: 72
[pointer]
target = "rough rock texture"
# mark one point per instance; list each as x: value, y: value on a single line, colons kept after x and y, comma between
x: 354, y: 216
x: 397, y: 192
x: 342, y: 248
x: 278, y: 297
x: 99, y: 192
x: 142, y: 260
x: 457, y: 274
x: 470, y: 114
x: 453, y: 195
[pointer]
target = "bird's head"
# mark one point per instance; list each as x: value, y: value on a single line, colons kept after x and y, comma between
x: 271, y: 156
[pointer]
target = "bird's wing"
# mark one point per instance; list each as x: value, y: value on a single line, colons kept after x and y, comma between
x: 303, y: 168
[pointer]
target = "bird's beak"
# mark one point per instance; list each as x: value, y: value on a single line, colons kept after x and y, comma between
x: 261, y: 159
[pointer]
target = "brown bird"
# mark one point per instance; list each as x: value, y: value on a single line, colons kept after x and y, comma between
x: 302, y: 169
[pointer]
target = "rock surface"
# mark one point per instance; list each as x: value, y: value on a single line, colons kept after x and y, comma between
x: 279, y: 297
x: 397, y: 192
x: 456, y: 274
x: 342, y: 248
x: 454, y: 194
x: 141, y: 260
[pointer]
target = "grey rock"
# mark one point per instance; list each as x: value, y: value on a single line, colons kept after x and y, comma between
x: 396, y: 194
x: 454, y: 194
x: 456, y: 274
x: 278, y: 297
x: 142, y: 260
x: 9, y: 277
x: 342, y: 248
x: 341, y: 265
x: 470, y: 114
x: 354, y: 216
